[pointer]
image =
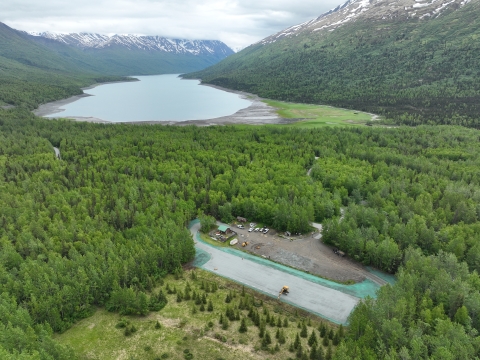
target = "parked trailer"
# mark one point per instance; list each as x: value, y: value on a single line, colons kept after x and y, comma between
x: 234, y: 242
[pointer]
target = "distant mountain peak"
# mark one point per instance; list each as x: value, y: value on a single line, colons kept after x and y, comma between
x: 370, y: 10
x: 138, y: 42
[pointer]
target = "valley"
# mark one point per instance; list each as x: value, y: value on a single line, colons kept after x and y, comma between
x: 362, y: 122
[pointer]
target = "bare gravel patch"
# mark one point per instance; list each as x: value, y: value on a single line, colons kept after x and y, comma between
x: 305, y: 252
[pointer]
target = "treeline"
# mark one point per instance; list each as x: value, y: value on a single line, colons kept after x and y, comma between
x: 102, y: 226
x: 412, y: 72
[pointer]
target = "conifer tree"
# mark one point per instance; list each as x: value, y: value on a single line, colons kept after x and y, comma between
x: 329, y: 354
x: 261, y: 333
x: 304, y: 331
x: 297, y: 342
x: 299, y: 351
x: 326, y: 341
x: 268, y: 338
x: 243, y: 326
x: 313, y: 352
x: 312, y: 339
x: 320, y: 353
x: 336, y: 339
x: 323, y: 330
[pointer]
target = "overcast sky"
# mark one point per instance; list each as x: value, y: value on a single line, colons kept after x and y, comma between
x: 238, y: 23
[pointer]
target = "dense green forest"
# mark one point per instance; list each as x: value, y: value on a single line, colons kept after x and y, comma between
x: 411, y: 71
x: 104, y: 224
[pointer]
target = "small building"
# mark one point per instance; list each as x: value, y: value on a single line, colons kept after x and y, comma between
x: 224, y: 229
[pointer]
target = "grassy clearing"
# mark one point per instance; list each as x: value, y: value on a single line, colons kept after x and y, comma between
x: 185, y: 331
x: 319, y: 115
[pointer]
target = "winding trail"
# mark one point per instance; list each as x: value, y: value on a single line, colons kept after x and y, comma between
x: 310, y: 170
x: 57, y: 152
x: 329, y: 303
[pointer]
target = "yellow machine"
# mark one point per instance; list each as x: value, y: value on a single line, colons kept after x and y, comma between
x: 245, y: 243
x: 283, y: 291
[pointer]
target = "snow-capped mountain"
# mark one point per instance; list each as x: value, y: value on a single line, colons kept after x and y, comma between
x: 136, y: 42
x: 371, y: 10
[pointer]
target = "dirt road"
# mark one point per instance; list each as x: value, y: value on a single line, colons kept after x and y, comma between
x: 326, y: 302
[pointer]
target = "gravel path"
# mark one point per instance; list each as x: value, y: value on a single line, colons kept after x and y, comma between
x: 328, y: 303
x: 57, y: 152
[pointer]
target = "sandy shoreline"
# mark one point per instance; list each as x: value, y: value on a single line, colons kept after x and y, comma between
x: 258, y: 113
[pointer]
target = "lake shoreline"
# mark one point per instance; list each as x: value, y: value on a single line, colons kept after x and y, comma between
x: 54, y: 106
x: 257, y: 113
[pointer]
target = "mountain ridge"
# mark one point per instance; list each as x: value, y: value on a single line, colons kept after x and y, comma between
x: 361, y: 10
x: 36, y: 70
x: 97, y: 41
x: 408, y: 69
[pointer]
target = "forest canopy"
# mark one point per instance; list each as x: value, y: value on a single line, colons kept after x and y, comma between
x: 107, y: 221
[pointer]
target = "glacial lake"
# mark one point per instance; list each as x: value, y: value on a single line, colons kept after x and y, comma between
x: 154, y: 98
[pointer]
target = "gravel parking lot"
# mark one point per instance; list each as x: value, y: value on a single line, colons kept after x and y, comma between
x: 324, y: 301
x: 305, y: 252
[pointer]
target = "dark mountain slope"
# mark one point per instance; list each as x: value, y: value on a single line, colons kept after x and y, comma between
x: 31, y: 74
x: 412, y: 67
x: 39, y: 69
x: 131, y: 54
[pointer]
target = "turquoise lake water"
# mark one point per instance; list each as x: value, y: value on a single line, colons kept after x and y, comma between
x: 155, y: 98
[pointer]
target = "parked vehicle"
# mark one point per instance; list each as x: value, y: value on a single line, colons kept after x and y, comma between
x: 241, y: 226
x: 265, y: 230
x: 338, y: 252
x: 283, y: 291
x: 250, y: 230
x: 256, y: 229
x: 252, y: 225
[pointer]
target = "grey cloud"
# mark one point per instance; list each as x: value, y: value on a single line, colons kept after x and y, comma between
x: 238, y: 23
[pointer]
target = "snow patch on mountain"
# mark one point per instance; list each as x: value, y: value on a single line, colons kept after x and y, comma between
x: 137, y: 42
x: 370, y: 10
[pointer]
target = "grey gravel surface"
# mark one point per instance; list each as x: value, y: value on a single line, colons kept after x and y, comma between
x: 331, y: 304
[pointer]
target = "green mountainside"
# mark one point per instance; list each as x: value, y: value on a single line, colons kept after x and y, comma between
x: 31, y: 74
x: 36, y: 70
x: 409, y: 69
